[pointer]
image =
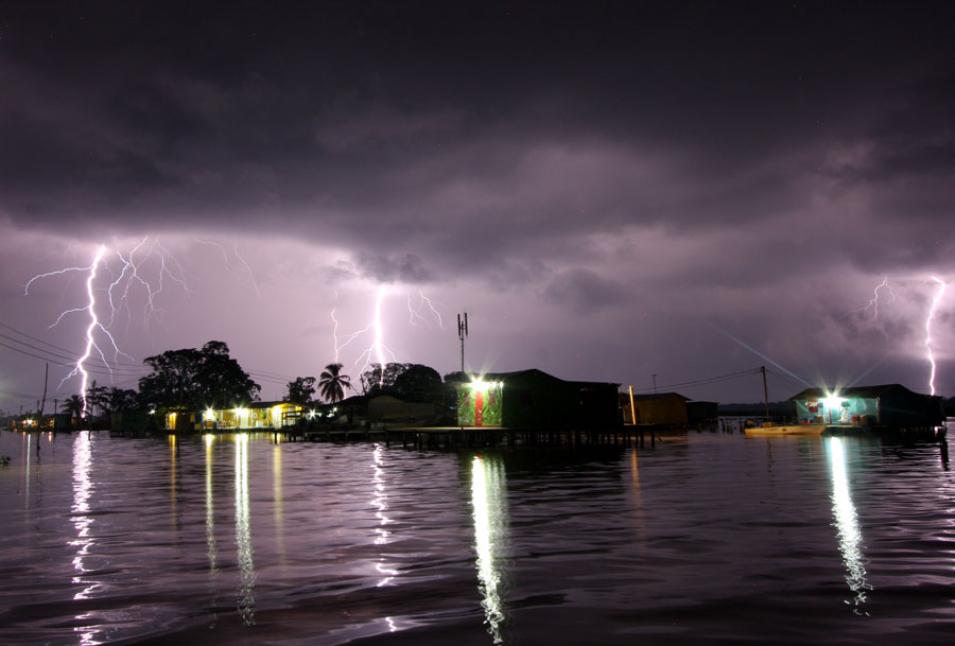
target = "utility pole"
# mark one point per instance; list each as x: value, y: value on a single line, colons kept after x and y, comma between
x: 762, y: 369
x: 654, y: 375
x: 462, y: 334
x: 46, y: 381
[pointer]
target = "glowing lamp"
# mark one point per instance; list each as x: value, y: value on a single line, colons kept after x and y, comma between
x: 832, y: 401
x: 480, y: 386
x: 209, y: 415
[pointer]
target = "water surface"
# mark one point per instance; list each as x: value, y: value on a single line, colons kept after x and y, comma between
x: 704, y: 537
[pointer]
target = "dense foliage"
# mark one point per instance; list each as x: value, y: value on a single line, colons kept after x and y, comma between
x: 301, y: 390
x: 191, y: 378
x: 407, y: 381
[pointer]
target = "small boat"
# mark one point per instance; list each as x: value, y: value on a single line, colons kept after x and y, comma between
x: 777, y: 430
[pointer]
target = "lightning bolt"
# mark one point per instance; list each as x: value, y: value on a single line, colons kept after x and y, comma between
x: 117, y: 298
x: 90, y: 330
x: 421, y: 309
x: 414, y: 310
x: 933, y: 308
x: 874, y: 301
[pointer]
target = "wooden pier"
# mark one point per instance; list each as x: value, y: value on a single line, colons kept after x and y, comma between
x: 427, y: 437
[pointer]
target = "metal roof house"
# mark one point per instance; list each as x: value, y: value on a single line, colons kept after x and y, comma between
x: 890, y: 406
x: 534, y: 399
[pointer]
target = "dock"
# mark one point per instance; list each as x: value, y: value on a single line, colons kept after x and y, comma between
x: 433, y: 437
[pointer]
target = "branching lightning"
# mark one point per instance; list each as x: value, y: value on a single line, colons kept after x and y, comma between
x: 415, y: 308
x: 873, y: 304
x: 419, y: 307
x: 933, y: 308
x: 247, y: 268
x: 90, y: 330
x: 117, y: 298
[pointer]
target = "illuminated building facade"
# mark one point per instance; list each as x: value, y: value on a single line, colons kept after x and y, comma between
x: 535, y: 399
x: 257, y: 415
x: 886, y: 406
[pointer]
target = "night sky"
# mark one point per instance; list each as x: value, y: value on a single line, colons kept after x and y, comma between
x: 611, y: 191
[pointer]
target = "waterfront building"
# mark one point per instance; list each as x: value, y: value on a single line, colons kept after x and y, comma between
x: 534, y: 399
x: 257, y: 415
x: 884, y: 406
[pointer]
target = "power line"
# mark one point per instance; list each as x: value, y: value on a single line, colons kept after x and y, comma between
x: 713, y: 380
x: 61, y: 357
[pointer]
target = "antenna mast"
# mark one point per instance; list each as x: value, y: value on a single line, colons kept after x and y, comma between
x: 462, y: 334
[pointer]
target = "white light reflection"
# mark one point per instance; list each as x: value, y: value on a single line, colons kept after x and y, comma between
x: 27, y: 469
x: 279, y: 501
x: 83, y: 523
x: 380, y: 503
x: 847, y: 525
x: 211, y: 549
x: 487, y: 502
x: 243, y: 532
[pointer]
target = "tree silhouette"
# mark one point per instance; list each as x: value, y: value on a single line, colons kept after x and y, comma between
x: 332, y: 383
x: 301, y: 390
x: 97, y: 399
x: 73, y: 405
x: 190, y: 378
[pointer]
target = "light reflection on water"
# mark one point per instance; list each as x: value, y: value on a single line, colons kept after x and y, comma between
x: 243, y: 531
x: 847, y: 524
x: 83, y: 524
x: 212, y: 551
x: 380, y: 503
x: 488, y: 485
x: 173, y: 474
x: 278, y: 498
x: 713, y: 537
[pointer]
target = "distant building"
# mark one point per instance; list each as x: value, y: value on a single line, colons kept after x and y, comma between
x: 667, y: 409
x: 702, y: 412
x: 660, y: 409
x: 886, y: 406
x: 257, y: 415
x: 535, y: 399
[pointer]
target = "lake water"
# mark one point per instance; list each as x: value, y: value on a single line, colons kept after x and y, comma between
x: 704, y: 537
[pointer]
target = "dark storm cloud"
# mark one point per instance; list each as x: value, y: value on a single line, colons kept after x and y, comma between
x: 406, y: 269
x: 467, y: 137
x: 733, y: 160
x: 584, y: 290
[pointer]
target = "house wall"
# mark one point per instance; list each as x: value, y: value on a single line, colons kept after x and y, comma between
x: 537, y: 400
x: 902, y: 410
x: 664, y: 409
x: 387, y: 408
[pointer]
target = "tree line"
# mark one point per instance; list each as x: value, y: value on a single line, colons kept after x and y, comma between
x: 196, y: 378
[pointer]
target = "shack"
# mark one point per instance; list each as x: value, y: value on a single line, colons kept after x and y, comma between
x: 888, y: 406
x: 534, y: 399
x: 658, y: 409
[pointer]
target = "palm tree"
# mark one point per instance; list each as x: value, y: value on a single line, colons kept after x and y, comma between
x: 332, y: 383
x: 74, y: 406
